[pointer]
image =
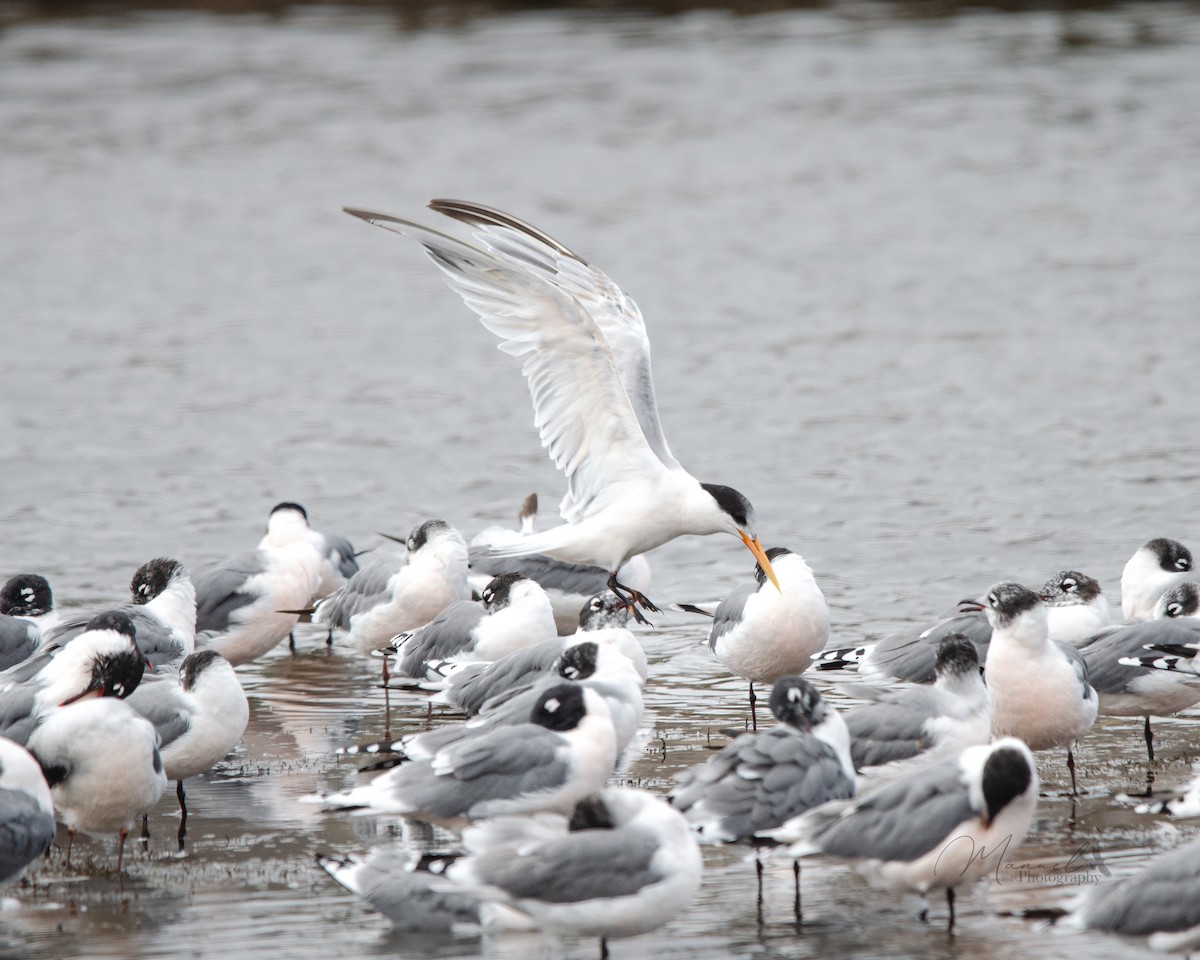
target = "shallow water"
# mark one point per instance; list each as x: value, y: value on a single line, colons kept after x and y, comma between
x: 923, y: 289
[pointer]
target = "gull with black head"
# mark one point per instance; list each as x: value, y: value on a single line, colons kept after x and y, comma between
x: 587, y: 360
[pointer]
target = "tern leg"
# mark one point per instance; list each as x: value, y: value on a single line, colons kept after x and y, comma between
x: 145, y: 829
x: 604, y: 948
x: 753, y: 710
x: 950, y: 904
x: 1071, y: 767
x: 1149, y: 740
x: 796, y: 900
x: 631, y: 598
x: 292, y: 641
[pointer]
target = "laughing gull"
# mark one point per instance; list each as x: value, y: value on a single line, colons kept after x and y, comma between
x: 1038, y: 689
x: 471, y: 686
x: 568, y: 585
x: 1158, y: 903
x: 587, y: 362
x: 761, y: 780
x: 1075, y: 608
x: 26, y: 613
x: 899, y: 723
x: 565, y: 751
x: 26, y: 811
x: 937, y: 827
x: 515, y: 613
x: 101, y: 760
x: 199, y: 716
x: 248, y: 603
x: 625, y: 863
x: 163, y: 612
x: 102, y: 661
x: 1153, y: 569
x: 762, y: 633
x: 399, y: 591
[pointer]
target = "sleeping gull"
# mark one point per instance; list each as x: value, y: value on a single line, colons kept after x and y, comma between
x: 199, y: 716
x: 101, y: 760
x: 625, y: 863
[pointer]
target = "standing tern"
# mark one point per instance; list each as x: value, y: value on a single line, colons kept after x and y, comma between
x: 587, y: 359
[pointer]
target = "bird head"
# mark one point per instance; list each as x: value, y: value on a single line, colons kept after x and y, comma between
x: 740, y: 516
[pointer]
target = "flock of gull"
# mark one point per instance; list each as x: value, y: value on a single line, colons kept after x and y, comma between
x: 924, y: 784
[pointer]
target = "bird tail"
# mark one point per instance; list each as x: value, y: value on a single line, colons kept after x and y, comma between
x: 842, y: 658
x: 376, y: 748
x: 1175, y: 663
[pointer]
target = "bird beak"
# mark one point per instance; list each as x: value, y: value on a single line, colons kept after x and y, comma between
x: 760, y: 555
x: 970, y: 605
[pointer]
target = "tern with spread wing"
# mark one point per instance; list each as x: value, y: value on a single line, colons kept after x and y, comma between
x: 587, y: 359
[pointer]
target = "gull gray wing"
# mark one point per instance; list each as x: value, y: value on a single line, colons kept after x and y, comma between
x: 893, y: 727
x: 26, y: 831
x: 487, y: 684
x: 160, y: 644
x: 366, y: 589
x: 516, y: 709
x: 577, y: 336
x: 902, y: 821
x: 445, y: 635
x: 406, y: 897
x: 18, y: 714
x: 161, y: 701
x: 1162, y: 898
x: 19, y: 638
x: 911, y: 654
x: 759, y: 782
x: 221, y: 589
x: 584, y: 865
x: 729, y: 612
x: 485, y: 772
x: 550, y: 574
x: 1103, y: 652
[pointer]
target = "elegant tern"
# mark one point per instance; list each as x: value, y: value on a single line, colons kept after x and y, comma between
x: 587, y: 359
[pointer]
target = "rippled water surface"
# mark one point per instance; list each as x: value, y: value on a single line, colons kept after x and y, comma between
x: 924, y: 289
